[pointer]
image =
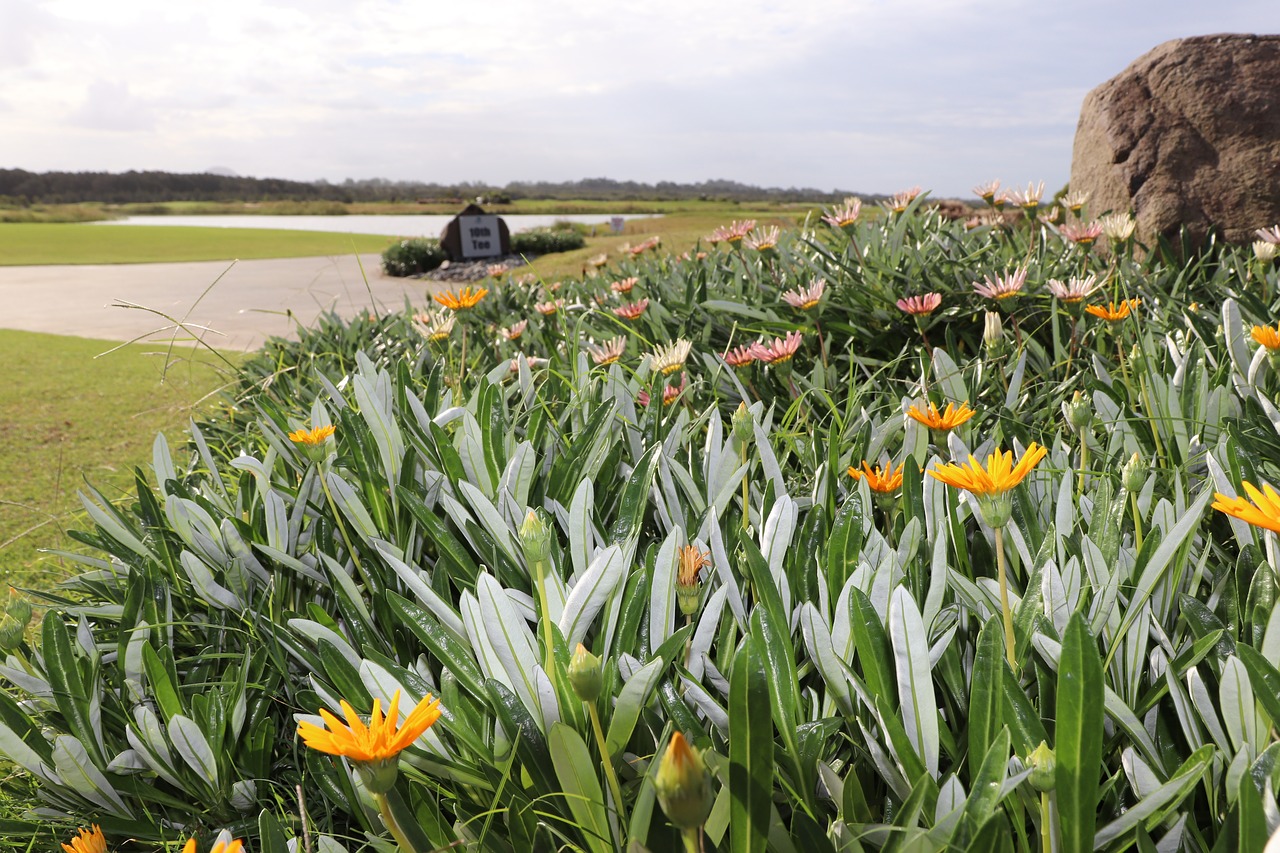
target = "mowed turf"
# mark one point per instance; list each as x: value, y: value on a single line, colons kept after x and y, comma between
x: 39, y: 243
x: 67, y: 417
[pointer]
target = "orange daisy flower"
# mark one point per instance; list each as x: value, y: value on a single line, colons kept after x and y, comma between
x: 1264, y: 511
x: 1113, y: 312
x: 948, y: 419
x: 463, y: 300
x: 883, y: 481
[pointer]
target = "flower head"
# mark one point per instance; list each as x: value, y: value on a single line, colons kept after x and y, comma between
x: 609, y: 351
x: 585, y: 676
x: 688, y: 587
x: 764, y: 239
x: 1002, y: 287
x: 311, y: 437
x: 1270, y: 235
x: 782, y: 349
x: 1074, y: 290
x: 224, y: 843
x: 88, y: 841
x: 947, y: 419
x: 734, y: 233
x: 740, y: 357
x: 683, y: 784
x: 599, y: 260
x: 918, y: 306
x: 1030, y: 199
x: 435, y: 326
x: 1264, y: 511
x: 495, y: 271
x: 465, y: 299
x: 884, y: 481
x: 1265, y: 251
x: 669, y: 393
x: 899, y: 202
x: 625, y: 285
x: 1080, y: 233
x: 987, y: 192
x: 804, y: 298
x: 1268, y: 336
x: 1075, y: 201
x: 549, y: 307
x: 670, y: 358
x: 515, y: 330
x: 632, y: 310
x: 990, y: 484
x: 1113, y: 312
x: 381, y: 739
x: 844, y: 215
x: 533, y: 361
x: 1117, y: 226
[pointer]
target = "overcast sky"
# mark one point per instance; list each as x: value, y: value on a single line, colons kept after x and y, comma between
x: 863, y: 95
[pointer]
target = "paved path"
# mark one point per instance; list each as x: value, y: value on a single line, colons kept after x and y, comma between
x: 250, y: 302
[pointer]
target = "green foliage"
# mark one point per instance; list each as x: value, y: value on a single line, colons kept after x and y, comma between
x: 546, y: 241
x: 844, y: 674
x: 413, y: 256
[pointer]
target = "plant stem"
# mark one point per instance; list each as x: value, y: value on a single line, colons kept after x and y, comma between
x: 692, y: 839
x: 610, y: 774
x: 1084, y: 463
x: 1137, y: 521
x: 462, y: 365
x: 1046, y: 830
x: 746, y: 493
x: 539, y: 574
x: 1005, y: 612
x: 384, y: 809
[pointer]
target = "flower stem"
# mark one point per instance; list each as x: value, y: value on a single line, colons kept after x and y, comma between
x: 746, y: 493
x: 384, y: 809
x: 539, y: 573
x: 610, y: 774
x: 1084, y: 463
x: 1046, y: 829
x: 1005, y: 612
x: 692, y: 839
x: 1137, y: 521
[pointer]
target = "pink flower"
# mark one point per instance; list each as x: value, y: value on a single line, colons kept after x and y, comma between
x: 740, y: 357
x: 534, y: 363
x: 805, y: 298
x: 632, y: 310
x: 669, y: 394
x: 1029, y: 199
x: 608, y: 352
x: 987, y: 192
x: 546, y: 309
x: 764, y: 238
x: 844, y: 215
x: 1081, y: 233
x: 1002, y: 287
x: 901, y: 201
x: 516, y: 330
x: 624, y: 286
x: 1271, y: 235
x: 1075, y: 290
x: 782, y: 349
x: 919, y: 306
x: 733, y: 233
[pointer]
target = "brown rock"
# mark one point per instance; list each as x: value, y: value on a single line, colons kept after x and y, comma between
x: 1187, y: 135
x: 491, y: 239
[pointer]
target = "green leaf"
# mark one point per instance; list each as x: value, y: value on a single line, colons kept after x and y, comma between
x: 70, y: 692
x: 915, y: 681
x: 985, y: 793
x: 1079, y: 737
x: 632, y: 699
x: 1264, y: 678
x: 751, y: 766
x: 575, y: 770
x: 872, y: 645
x: 986, y: 691
x: 1153, y: 809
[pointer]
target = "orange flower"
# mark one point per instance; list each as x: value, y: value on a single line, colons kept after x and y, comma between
x: 381, y: 740
x: 224, y: 843
x: 311, y: 437
x: 948, y: 419
x: 691, y: 562
x: 999, y: 476
x: 464, y: 299
x: 1113, y: 312
x: 1264, y: 511
x: 88, y: 841
x: 883, y: 481
x: 1268, y: 336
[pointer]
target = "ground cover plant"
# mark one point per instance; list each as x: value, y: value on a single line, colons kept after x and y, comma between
x: 892, y: 534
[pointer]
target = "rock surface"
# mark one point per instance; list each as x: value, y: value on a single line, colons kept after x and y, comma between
x: 1189, y: 134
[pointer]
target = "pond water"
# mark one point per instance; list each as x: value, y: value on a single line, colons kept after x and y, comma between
x: 397, y: 226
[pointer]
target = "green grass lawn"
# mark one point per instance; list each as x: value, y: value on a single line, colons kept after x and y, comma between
x: 23, y: 243
x: 67, y: 417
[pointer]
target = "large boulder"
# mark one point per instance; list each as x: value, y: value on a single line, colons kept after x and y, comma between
x: 1188, y: 135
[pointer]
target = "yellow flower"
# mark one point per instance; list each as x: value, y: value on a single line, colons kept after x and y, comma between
x: 381, y: 740
x: 991, y: 484
x: 224, y: 843
x: 311, y: 437
x: 1112, y: 312
x: 1268, y: 336
x: 884, y: 482
x: 683, y: 784
x: 1263, y: 512
x: 88, y: 841
x: 948, y: 419
x: 465, y: 298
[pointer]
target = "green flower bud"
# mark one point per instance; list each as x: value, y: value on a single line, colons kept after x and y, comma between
x: 993, y: 336
x: 584, y: 674
x: 688, y: 583
x: 1134, y: 474
x: 18, y: 607
x: 1078, y: 412
x: 535, y: 538
x: 1043, y: 763
x: 743, y: 424
x: 683, y: 784
x: 996, y: 509
x: 12, y: 633
x: 378, y: 776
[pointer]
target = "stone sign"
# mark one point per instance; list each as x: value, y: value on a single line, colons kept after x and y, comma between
x: 474, y: 234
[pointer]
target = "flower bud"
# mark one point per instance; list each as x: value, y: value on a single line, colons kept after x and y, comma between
x: 1134, y: 474
x: 18, y: 607
x: 683, y: 785
x: 584, y: 674
x: 688, y: 586
x: 993, y: 335
x: 1265, y: 251
x: 996, y: 509
x: 743, y: 424
x: 535, y: 539
x: 379, y: 776
x: 12, y: 632
x: 1078, y: 412
x: 1043, y: 764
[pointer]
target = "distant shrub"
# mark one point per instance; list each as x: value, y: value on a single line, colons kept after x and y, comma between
x: 413, y: 256
x: 545, y: 242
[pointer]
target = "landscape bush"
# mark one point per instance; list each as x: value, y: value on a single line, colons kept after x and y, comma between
x: 413, y: 256
x: 501, y: 485
x: 546, y: 241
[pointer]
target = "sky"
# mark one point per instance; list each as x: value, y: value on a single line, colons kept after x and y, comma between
x: 869, y: 96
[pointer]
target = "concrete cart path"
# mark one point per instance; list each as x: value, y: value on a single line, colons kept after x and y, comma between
x: 250, y: 302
